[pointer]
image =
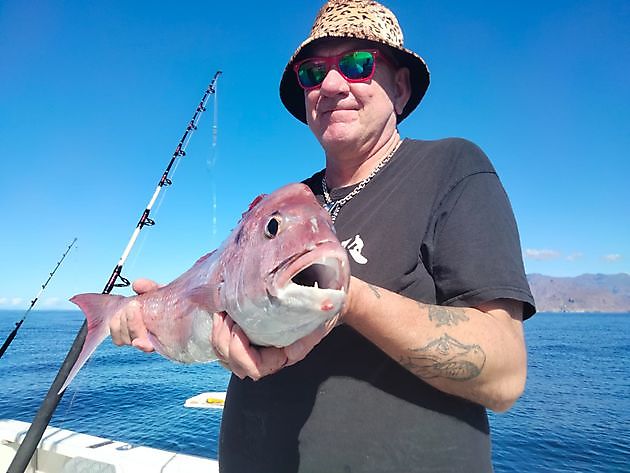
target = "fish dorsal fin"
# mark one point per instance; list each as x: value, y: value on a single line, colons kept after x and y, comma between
x: 253, y: 204
x: 205, y: 257
x: 256, y: 201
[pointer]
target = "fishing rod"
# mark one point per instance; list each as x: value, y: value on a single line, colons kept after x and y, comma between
x: 19, y: 323
x: 50, y: 402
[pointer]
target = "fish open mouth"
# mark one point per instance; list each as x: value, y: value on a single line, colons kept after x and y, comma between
x: 323, y: 267
x: 322, y: 275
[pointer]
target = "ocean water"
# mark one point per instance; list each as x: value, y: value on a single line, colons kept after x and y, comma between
x: 573, y: 417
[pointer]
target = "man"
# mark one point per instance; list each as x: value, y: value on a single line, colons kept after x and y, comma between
x: 431, y: 334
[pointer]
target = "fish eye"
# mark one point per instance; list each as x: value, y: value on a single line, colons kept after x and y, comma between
x: 272, y: 227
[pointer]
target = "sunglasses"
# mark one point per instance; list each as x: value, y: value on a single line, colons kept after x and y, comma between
x: 354, y: 66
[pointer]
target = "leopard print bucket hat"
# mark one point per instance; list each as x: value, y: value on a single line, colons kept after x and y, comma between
x: 360, y: 19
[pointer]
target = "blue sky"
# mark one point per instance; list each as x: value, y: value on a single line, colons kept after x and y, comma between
x: 94, y: 97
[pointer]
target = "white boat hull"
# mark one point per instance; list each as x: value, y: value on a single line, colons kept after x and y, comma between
x: 65, y: 451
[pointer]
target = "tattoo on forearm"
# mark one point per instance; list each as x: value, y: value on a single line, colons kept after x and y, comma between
x: 375, y: 291
x: 447, y: 358
x: 445, y: 315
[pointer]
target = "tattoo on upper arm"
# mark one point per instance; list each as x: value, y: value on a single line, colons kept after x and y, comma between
x: 447, y: 358
x: 446, y: 316
x: 375, y: 291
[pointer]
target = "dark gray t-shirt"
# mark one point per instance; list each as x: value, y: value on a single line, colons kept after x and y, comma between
x: 434, y: 225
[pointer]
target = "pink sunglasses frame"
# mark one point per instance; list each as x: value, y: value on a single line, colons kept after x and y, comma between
x: 332, y: 62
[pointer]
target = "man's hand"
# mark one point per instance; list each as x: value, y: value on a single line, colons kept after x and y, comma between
x: 127, y: 326
x: 236, y: 352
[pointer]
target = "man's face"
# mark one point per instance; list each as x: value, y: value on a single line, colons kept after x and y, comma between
x: 359, y: 114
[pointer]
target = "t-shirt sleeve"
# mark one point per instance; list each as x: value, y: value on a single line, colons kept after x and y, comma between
x: 477, y: 253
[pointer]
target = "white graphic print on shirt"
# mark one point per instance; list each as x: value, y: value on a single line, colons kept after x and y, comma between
x: 355, y: 247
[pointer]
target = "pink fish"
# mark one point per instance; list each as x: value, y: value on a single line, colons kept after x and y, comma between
x: 280, y: 274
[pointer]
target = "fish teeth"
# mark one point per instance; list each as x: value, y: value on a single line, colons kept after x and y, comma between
x: 316, y: 286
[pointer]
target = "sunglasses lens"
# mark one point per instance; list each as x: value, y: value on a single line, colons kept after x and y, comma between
x: 357, y: 65
x: 312, y: 73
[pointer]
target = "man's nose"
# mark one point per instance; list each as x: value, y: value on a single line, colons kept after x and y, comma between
x: 334, y: 83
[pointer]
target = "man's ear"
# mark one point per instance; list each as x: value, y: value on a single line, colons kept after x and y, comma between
x: 402, y: 89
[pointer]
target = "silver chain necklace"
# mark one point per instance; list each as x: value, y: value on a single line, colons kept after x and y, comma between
x: 334, y: 206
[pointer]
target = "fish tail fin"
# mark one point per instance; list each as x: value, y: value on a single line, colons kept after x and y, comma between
x: 98, y: 310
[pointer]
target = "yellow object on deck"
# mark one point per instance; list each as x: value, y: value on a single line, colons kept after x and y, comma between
x: 210, y: 400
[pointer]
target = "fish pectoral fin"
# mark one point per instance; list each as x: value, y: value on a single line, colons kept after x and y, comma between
x: 204, y: 297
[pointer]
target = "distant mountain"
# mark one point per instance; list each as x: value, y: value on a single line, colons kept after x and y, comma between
x: 585, y: 293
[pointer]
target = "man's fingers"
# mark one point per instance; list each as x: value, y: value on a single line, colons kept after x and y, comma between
x: 143, y: 285
x: 143, y: 344
x: 271, y: 360
x: 229, y: 342
x: 243, y: 358
x: 132, y: 321
x: 235, y: 351
x: 116, y: 331
x: 127, y: 328
x: 254, y: 362
x: 298, y: 350
x: 221, y: 325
